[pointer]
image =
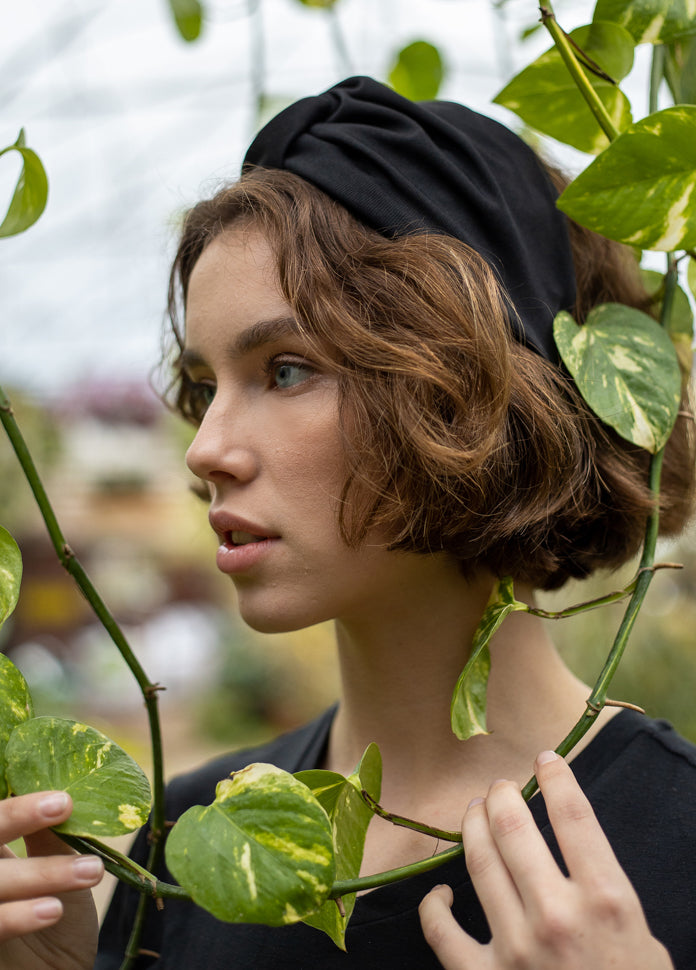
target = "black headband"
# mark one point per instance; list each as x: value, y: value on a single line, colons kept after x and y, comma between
x: 399, y: 167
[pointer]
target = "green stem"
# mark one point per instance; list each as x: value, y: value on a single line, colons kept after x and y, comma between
x: 409, y: 823
x: 657, y: 73
x: 565, y: 49
x: 345, y: 886
x: 73, y: 566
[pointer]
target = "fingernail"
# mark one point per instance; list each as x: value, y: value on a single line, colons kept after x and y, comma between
x: 48, y: 909
x: 475, y: 801
x: 546, y: 756
x: 54, y: 804
x: 87, y: 867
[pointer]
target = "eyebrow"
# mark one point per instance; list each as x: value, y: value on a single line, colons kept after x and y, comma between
x: 255, y: 336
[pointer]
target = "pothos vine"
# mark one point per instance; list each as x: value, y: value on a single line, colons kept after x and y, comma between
x: 325, y: 815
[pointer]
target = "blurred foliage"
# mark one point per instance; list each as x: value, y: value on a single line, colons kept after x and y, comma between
x: 188, y: 18
x: 418, y: 71
x: 40, y: 427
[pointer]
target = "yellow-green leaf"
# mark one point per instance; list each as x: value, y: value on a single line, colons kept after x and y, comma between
x: 262, y: 852
x: 625, y: 366
x: 680, y: 325
x: 10, y: 574
x: 418, y: 71
x: 188, y: 17
x: 545, y: 96
x: 110, y: 793
x: 642, y: 189
x: 15, y: 707
x: 649, y: 21
x: 468, y: 708
x: 30, y: 193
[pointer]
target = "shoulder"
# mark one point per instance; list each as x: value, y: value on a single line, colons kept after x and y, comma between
x: 293, y: 751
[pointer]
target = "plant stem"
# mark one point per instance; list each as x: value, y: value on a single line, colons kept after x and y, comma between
x: 565, y: 49
x: 657, y: 73
x: 346, y: 886
x: 409, y: 823
x: 73, y: 566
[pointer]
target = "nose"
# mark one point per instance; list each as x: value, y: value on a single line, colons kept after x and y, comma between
x: 220, y: 450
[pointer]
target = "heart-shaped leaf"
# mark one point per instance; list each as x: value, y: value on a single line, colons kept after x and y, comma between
x: 649, y: 21
x: 10, y: 574
x: 350, y: 816
x: 15, y: 707
x: 625, y: 366
x: 545, y: 95
x: 680, y: 325
x: 31, y: 191
x: 418, y: 71
x: 468, y: 708
x: 110, y: 792
x: 261, y: 853
x: 642, y: 189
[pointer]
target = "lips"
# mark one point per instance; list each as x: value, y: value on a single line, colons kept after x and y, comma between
x: 235, y: 531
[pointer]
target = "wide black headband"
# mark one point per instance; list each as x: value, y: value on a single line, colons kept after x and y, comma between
x: 401, y: 167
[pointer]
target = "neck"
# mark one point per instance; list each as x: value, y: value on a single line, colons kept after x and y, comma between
x: 399, y: 667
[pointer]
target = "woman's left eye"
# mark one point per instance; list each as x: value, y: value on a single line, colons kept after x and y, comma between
x: 286, y: 374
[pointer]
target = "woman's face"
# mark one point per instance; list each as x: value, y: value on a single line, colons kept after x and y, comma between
x: 270, y: 449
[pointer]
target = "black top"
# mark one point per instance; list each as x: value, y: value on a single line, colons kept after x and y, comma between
x: 638, y: 773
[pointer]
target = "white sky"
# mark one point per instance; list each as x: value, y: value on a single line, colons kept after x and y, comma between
x: 133, y: 125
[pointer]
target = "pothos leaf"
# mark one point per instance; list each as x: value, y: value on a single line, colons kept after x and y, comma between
x: 691, y: 276
x: 262, y: 852
x: 680, y: 325
x: 10, y: 574
x: 188, y: 17
x: 322, y: 4
x: 626, y: 368
x: 418, y: 71
x: 468, y: 708
x: 31, y: 191
x: 642, y: 189
x: 15, y: 707
x: 350, y: 817
x: 110, y: 793
x: 545, y: 95
x: 649, y: 21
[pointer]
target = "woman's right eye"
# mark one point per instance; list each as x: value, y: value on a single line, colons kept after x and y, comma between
x: 201, y: 394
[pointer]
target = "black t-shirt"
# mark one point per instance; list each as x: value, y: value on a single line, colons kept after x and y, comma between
x: 638, y: 773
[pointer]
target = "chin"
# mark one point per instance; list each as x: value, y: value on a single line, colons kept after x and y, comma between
x: 276, y: 618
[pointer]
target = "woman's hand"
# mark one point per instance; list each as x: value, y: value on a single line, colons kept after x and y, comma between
x: 539, y: 918
x: 47, y: 916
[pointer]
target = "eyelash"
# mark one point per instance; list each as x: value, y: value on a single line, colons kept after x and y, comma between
x: 275, y: 361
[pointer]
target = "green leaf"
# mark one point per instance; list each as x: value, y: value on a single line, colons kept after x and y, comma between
x: 418, y: 71
x: 111, y: 794
x: 680, y: 70
x: 680, y: 325
x: 545, y: 96
x: 350, y: 816
x: 261, y: 853
x: 10, y: 574
x: 15, y: 707
x: 626, y: 368
x: 649, y: 21
x: 641, y: 189
x: 468, y: 708
x: 691, y: 276
x: 31, y: 191
x: 188, y: 17
x: 319, y: 4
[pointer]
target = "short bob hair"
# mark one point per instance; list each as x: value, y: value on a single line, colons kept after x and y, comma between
x: 457, y: 437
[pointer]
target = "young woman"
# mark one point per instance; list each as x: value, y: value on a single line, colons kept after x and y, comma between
x: 384, y: 428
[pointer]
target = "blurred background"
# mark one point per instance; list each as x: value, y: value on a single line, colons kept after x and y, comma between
x: 134, y: 124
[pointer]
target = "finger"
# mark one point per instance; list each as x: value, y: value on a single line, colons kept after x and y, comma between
x: 21, y: 918
x: 31, y: 813
x: 490, y: 876
x: 524, y: 853
x: 31, y: 878
x: 454, y: 948
x: 583, y: 844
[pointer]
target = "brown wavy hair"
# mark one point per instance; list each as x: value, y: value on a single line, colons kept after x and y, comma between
x: 457, y: 437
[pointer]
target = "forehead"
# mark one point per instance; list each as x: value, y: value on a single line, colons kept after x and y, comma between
x: 234, y: 283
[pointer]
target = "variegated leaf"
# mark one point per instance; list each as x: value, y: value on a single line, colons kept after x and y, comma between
x: 626, y: 368
x: 545, y: 95
x: 262, y: 852
x: 110, y: 793
x: 642, y: 189
x: 680, y: 325
x: 650, y: 21
x: 10, y: 574
x: 350, y: 816
x: 468, y: 707
x: 15, y: 707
